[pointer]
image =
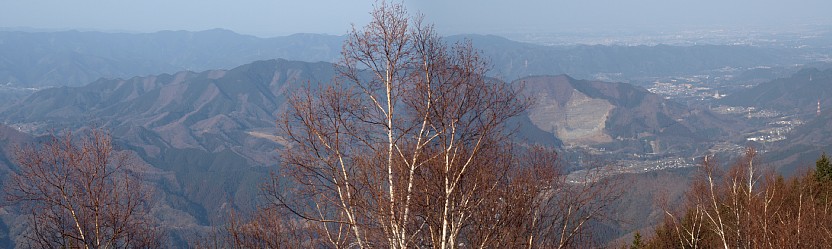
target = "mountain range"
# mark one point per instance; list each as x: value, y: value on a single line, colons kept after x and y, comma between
x: 73, y: 58
x: 515, y: 59
x: 209, y: 137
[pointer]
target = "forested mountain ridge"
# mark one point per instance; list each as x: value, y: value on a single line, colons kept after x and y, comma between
x: 797, y: 94
x: 73, y: 58
x: 210, y: 137
x: 514, y: 60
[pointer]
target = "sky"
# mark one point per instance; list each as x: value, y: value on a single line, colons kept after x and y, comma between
x: 277, y: 17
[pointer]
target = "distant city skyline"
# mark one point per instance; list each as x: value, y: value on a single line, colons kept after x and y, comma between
x: 274, y: 18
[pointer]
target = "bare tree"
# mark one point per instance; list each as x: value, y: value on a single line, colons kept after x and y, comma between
x: 403, y: 150
x: 540, y: 206
x: 573, y: 202
x: 268, y: 228
x: 81, y: 194
x: 410, y: 147
x: 750, y: 208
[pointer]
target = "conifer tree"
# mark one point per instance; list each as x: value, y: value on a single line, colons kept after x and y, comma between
x: 823, y: 169
x: 637, y: 243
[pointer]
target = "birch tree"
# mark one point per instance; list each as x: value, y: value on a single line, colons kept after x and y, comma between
x: 411, y: 147
x: 404, y: 146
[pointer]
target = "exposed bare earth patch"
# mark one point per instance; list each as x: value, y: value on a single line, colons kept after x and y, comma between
x: 579, y: 121
x: 277, y: 139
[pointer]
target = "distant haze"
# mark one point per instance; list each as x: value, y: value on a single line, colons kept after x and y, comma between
x: 270, y: 18
x: 494, y: 16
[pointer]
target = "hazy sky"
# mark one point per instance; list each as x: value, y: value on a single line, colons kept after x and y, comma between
x: 269, y: 18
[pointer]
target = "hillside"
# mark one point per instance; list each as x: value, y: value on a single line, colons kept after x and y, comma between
x: 803, y: 145
x: 619, y: 117
x: 9, y: 137
x: 797, y: 94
